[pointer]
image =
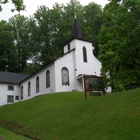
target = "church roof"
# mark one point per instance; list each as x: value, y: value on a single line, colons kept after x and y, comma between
x: 10, y: 77
x: 76, y: 31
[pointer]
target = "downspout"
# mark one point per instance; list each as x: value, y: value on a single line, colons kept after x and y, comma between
x: 19, y: 92
x: 54, y: 78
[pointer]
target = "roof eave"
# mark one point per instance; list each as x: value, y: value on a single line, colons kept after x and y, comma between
x: 72, y: 38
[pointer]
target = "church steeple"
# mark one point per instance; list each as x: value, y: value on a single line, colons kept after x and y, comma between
x: 76, y: 34
x: 76, y: 31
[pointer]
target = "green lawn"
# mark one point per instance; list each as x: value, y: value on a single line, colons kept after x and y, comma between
x: 8, y: 135
x: 68, y: 116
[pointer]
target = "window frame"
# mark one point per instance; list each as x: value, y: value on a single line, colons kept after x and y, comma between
x: 16, y: 97
x: 68, y: 46
x: 37, y: 84
x: 9, y: 88
x: 84, y: 54
x: 21, y: 92
x: 47, y: 79
x: 29, y: 88
x: 65, y: 78
x: 10, y: 98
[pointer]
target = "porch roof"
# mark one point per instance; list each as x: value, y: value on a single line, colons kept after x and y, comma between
x: 82, y: 75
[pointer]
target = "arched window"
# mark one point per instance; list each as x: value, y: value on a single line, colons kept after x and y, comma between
x: 65, y: 76
x: 37, y: 84
x: 47, y: 79
x: 29, y: 89
x: 84, y: 54
x: 21, y: 92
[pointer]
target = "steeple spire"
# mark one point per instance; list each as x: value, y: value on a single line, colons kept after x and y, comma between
x: 76, y: 31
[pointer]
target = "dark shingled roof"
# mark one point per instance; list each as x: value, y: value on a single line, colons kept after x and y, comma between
x: 10, y: 77
x: 76, y: 31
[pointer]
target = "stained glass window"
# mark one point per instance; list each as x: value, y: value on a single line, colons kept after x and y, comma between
x: 65, y: 76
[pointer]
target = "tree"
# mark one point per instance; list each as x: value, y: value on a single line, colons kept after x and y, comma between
x: 17, y: 3
x: 92, y: 21
x: 120, y: 46
x: 21, y: 34
x: 53, y: 27
x: 40, y: 37
x: 7, y: 52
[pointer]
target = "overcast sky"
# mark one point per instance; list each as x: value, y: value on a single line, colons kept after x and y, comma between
x: 31, y: 6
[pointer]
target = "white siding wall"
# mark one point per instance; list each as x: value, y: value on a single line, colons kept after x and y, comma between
x: 65, y: 61
x: 72, y: 46
x: 4, y: 92
x: 66, y: 48
x: 42, y: 83
x: 93, y: 65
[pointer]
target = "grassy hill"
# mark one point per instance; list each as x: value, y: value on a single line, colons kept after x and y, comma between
x: 8, y: 135
x: 68, y: 116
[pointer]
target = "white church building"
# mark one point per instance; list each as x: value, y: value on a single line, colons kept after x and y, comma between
x: 63, y: 74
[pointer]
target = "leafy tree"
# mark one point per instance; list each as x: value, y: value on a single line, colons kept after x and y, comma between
x: 21, y: 34
x: 53, y: 27
x: 120, y: 48
x: 40, y: 37
x: 17, y: 3
x: 7, y: 52
x: 92, y: 21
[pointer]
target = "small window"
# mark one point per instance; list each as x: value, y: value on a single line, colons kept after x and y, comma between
x: 68, y: 46
x: 29, y: 89
x: 16, y: 97
x: 37, y: 84
x: 84, y: 54
x: 10, y: 87
x: 47, y: 79
x: 21, y: 92
x: 65, y: 76
x: 10, y: 98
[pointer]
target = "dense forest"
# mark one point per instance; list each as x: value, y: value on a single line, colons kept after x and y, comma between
x: 28, y: 43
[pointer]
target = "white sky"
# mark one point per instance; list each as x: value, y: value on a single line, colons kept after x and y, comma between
x: 31, y: 6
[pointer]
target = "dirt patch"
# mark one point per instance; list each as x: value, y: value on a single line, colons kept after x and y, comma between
x: 10, y: 125
x: 17, y: 129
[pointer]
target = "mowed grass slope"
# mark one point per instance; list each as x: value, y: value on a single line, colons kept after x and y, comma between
x: 8, y: 135
x: 68, y: 116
